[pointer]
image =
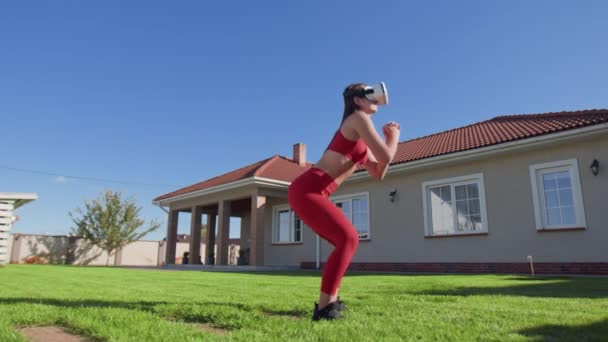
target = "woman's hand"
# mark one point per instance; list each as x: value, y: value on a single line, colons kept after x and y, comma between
x: 391, y: 130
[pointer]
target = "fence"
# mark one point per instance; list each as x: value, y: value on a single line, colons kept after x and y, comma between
x: 59, y: 249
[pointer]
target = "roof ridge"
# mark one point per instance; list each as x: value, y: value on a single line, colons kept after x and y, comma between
x: 223, y: 174
x: 444, y: 132
x: 265, y: 165
x: 516, y: 116
x: 564, y: 113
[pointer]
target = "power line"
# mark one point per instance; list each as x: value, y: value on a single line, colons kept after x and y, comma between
x: 102, y: 180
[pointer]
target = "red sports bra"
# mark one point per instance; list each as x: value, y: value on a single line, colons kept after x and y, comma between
x: 353, y: 150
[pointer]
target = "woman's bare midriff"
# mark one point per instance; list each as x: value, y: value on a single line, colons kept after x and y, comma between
x: 336, y: 165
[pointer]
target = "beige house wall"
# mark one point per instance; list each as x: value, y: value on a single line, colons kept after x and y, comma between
x: 397, y: 229
x: 286, y: 254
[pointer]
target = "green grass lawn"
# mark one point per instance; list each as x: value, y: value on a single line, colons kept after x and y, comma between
x: 113, y: 304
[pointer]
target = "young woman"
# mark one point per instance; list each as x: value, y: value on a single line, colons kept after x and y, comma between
x: 355, y: 142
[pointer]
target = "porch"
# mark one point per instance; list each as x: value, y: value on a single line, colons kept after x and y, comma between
x: 253, y: 212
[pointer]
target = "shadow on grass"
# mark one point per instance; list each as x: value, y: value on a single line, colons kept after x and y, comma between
x: 138, y: 305
x: 597, y: 331
x: 154, y: 307
x: 291, y: 314
x: 317, y: 273
x: 94, y: 303
x: 88, y: 303
x: 208, y: 321
x: 182, y: 314
x: 536, y: 287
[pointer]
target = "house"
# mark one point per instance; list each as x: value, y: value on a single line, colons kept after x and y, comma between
x: 493, y: 196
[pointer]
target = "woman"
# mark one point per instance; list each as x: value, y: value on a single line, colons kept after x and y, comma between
x: 355, y: 142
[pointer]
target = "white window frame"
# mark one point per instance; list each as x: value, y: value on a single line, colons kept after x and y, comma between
x: 538, y: 193
x: 477, y: 178
x: 342, y: 198
x: 275, y: 225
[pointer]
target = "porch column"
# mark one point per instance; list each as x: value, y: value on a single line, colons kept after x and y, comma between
x: 195, y: 235
x: 223, y: 232
x: 245, y: 231
x: 258, y: 206
x: 171, y: 237
x: 210, y: 238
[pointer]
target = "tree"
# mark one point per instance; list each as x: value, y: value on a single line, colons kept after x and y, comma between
x: 109, y: 222
x: 203, y: 230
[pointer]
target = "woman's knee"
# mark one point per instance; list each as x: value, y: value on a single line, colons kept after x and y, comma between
x: 351, y: 240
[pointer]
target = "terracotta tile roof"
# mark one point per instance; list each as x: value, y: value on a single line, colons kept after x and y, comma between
x: 277, y: 168
x: 498, y: 130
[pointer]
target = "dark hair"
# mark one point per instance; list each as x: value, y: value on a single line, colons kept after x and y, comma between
x: 350, y: 92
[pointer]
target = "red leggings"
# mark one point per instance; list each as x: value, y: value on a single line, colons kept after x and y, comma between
x: 308, y: 197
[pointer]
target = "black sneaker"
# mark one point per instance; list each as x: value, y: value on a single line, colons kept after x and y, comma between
x: 330, y: 312
x: 341, y: 305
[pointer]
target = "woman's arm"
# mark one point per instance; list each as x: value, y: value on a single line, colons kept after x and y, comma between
x: 372, y: 165
x: 375, y: 169
x: 383, y: 151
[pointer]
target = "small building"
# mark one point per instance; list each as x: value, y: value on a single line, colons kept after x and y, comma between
x: 9, y: 202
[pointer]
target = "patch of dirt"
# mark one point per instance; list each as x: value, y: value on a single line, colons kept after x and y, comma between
x: 210, y: 328
x: 51, y: 334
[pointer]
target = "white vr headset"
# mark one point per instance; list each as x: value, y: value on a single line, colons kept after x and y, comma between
x: 376, y: 93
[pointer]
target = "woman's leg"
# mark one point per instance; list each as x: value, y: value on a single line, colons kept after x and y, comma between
x: 325, y: 299
x: 327, y: 220
x: 338, y: 261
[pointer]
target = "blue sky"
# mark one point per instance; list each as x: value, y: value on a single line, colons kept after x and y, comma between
x: 161, y: 95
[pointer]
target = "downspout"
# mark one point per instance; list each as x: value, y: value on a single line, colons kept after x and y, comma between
x: 159, y: 257
x: 318, y: 252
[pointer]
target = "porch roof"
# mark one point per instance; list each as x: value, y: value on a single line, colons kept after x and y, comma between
x: 17, y: 199
x: 276, y: 168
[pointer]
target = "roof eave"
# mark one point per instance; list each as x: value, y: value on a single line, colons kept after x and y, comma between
x: 481, y: 152
x: 18, y: 199
x: 257, y: 181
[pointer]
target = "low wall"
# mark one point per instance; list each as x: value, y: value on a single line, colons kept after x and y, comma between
x: 59, y: 249
x: 566, y: 268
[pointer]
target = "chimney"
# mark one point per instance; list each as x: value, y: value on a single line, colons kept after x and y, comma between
x: 299, y: 153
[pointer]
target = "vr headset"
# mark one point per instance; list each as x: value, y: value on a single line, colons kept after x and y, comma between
x: 376, y: 93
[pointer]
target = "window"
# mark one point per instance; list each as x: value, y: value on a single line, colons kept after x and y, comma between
x: 556, y: 194
x: 356, y: 208
x: 287, y: 226
x: 454, y: 206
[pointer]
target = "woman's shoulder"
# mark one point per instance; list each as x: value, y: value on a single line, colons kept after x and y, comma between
x: 357, y: 119
x: 349, y: 129
x: 355, y: 123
